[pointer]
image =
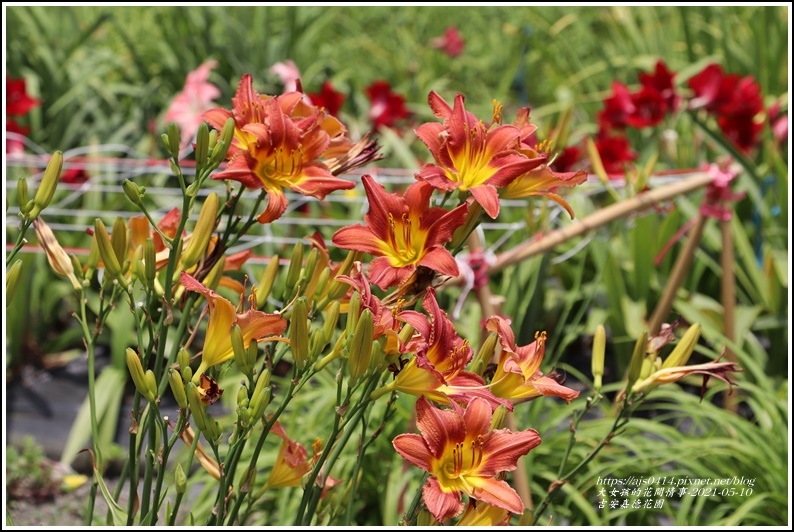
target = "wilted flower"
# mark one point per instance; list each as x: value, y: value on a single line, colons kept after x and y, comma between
x: 56, y: 256
x: 404, y: 232
x: 386, y: 106
x: 463, y: 455
x: 518, y: 376
x: 470, y: 157
x: 188, y: 106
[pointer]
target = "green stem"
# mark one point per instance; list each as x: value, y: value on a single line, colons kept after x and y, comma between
x: 178, y: 500
x: 20, y: 240
x: 413, y: 509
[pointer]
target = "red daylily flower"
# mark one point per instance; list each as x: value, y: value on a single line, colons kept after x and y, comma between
x: 463, y: 455
x: 641, y: 109
x: 617, y: 108
x: 14, y: 146
x: 188, y: 106
x: 615, y: 151
x: 328, y: 99
x: 18, y: 102
x: 566, y: 159
x: 518, y: 376
x: 451, y: 43
x: 436, y: 370
x: 713, y: 88
x: 74, y: 176
x: 470, y: 157
x: 254, y: 324
x: 404, y: 232
x: 540, y: 181
x: 662, y: 80
x: 386, y: 106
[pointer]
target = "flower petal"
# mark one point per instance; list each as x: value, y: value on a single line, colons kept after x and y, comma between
x: 439, y: 259
x: 548, y: 386
x: 439, y: 503
x: 488, y: 198
x: 383, y: 274
x: 477, y: 417
x: 413, y: 448
x: 439, y: 427
x: 497, y: 493
x: 503, y: 448
x: 357, y: 237
x: 276, y: 205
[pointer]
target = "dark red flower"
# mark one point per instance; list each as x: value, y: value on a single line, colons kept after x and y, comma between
x: 615, y: 151
x: 617, y: 108
x: 387, y: 107
x: 451, y: 43
x: 713, y: 88
x: 742, y: 129
x: 18, y: 102
x: 328, y: 98
x: 650, y: 108
x: 662, y: 80
x: 74, y: 176
x: 567, y: 158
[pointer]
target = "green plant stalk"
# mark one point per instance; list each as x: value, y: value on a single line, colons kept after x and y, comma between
x: 178, y: 500
x: 356, y: 469
x: 574, y: 427
x: 355, y: 417
x: 249, y: 222
x: 150, y: 458
x: 413, y: 510
x: 623, y: 417
x: 26, y: 223
x: 227, y: 472
x: 161, y: 473
x: 89, y: 345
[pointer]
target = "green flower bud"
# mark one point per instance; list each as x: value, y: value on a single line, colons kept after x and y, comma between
x: 316, y: 343
x: 261, y: 397
x: 266, y: 284
x: 177, y: 388
x: 599, y: 349
x: 240, y: 351
x: 48, y: 184
x: 318, y: 283
x: 22, y: 195
x: 360, y: 353
x: 224, y: 141
x: 635, y: 367
x: 118, y: 239
x: 406, y: 333
x: 484, y: 355
x: 133, y: 192
x: 337, y: 289
x: 166, y: 142
x: 93, y: 258
x: 299, y: 332
x: 183, y: 358
x: 499, y: 416
x: 173, y: 140
x: 150, y: 263
x: 202, y: 144
x: 353, y: 313
x: 12, y: 280
x: 139, y: 378
x: 331, y: 319
x: 684, y: 349
x: 200, y: 418
x: 180, y: 480
x: 242, y: 396
x: 295, y: 266
x: 213, y: 139
x: 202, y: 233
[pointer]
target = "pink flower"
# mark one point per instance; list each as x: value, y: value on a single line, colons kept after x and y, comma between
x: 195, y: 99
x: 288, y: 73
x: 451, y: 43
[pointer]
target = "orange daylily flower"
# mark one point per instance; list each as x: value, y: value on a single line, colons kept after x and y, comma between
x: 254, y: 325
x: 518, y: 376
x: 463, y: 455
x: 279, y: 143
x: 542, y: 180
x: 470, y: 157
x: 483, y: 514
x: 404, y: 232
x: 436, y: 370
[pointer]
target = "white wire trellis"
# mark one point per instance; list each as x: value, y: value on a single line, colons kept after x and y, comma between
x: 109, y: 165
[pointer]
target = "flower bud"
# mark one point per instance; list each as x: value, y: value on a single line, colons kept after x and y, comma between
x: 139, y: 378
x: 684, y: 349
x: 196, y: 407
x: 337, y: 289
x: 224, y: 141
x: 242, y: 396
x: 150, y: 262
x: 499, y: 416
x: 484, y: 355
x: 12, y: 280
x: 213, y: 140
x: 318, y: 283
x: 56, y: 256
x: 177, y: 388
x: 137, y: 269
x: 406, y: 333
x: 202, y: 144
x: 176, y: 171
x: 295, y: 266
x: 599, y: 349
x: 331, y: 319
x: 22, y: 194
x: 316, y: 343
x: 202, y: 233
x: 266, y: 284
x: 77, y: 267
x: 635, y: 366
x: 112, y: 266
x: 93, y: 258
x: 118, y: 239
x: 261, y: 396
x: 353, y: 313
x: 299, y: 333
x: 133, y: 192
x: 183, y: 358
x: 48, y: 184
x: 360, y: 352
x: 172, y: 140
x: 240, y: 351
x: 180, y: 480
x: 151, y: 383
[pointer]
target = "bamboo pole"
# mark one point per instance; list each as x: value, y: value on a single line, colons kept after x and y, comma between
x: 597, y: 219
